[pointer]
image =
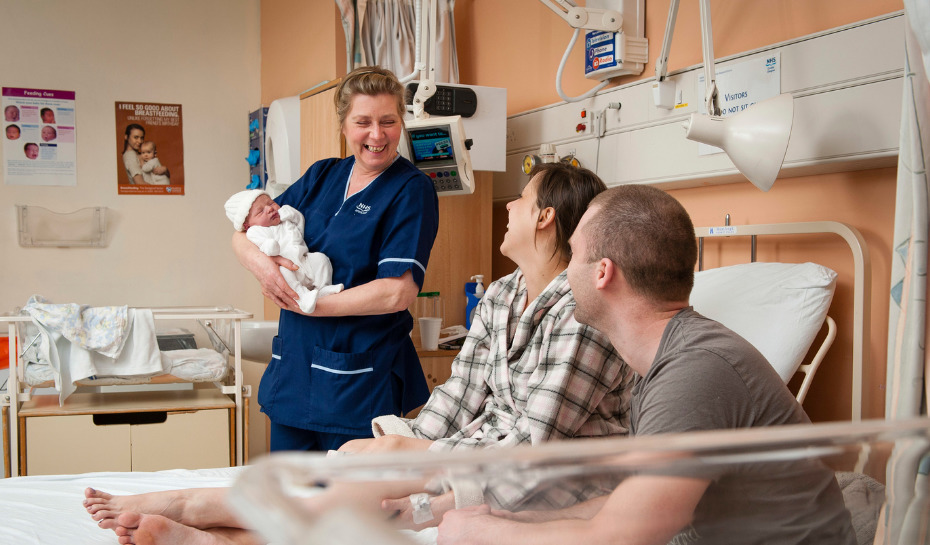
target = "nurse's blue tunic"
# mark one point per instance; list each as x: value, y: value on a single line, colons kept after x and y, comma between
x: 335, y: 374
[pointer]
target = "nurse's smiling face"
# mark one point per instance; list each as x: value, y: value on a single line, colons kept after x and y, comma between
x: 372, y: 129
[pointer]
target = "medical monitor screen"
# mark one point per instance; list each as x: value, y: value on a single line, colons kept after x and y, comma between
x: 431, y: 145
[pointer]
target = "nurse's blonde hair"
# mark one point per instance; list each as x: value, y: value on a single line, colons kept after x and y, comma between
x: 370, y: 81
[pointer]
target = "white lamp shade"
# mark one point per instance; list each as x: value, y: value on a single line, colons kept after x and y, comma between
x: 756, y: 139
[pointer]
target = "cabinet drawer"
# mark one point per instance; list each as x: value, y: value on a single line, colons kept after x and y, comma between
x: 185, y: 440
x: 148, y: 441
x: 74, y: 444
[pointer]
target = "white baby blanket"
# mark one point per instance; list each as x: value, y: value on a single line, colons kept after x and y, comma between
x: 80, y: 342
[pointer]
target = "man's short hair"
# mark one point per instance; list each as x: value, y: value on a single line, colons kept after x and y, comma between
x: 649, y: 236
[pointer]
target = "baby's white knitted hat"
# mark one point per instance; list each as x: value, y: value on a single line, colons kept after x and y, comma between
x: 238, y: 206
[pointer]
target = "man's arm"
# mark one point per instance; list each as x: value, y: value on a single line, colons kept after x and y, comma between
x: 643, y: 510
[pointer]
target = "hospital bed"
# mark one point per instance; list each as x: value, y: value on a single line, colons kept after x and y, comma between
x: 105, y: 408
x: 270, y: 493
x: 781, y: 307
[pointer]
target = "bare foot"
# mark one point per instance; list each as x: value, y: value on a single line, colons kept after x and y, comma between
x: 138, y: 529
x: 197, y: 507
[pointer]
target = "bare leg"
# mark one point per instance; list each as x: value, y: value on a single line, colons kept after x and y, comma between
x: 138, y: 529
x: 194, y: 507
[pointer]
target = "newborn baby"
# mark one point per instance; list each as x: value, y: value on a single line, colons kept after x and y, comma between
x: 279, y: 230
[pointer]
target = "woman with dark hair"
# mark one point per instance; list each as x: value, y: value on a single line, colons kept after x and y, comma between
x: 527, y: 372
x: 132, y: 144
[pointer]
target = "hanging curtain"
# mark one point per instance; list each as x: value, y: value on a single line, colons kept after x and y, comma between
x: 347, y: 14
x: 906, y: 517
x: 384, y: 33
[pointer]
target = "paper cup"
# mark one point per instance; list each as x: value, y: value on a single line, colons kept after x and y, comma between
x: 429, y: 333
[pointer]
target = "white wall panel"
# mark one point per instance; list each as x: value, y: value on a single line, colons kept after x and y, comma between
x: 847, y: 88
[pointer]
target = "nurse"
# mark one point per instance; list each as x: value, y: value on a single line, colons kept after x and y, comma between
x: 375, y: 215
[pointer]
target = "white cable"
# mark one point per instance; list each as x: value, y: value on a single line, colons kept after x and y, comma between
x: 558, y: 75
x: 417, y: 58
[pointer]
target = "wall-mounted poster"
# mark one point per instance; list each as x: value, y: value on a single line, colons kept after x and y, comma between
x: 149, y: 149
x: 38, y: 137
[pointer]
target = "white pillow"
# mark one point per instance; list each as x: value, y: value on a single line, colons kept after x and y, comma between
x: 778, y: 307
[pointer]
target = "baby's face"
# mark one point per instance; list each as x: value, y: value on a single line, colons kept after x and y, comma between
x: 264, y: 212
x: 48, y: 133
x: 147, y: 152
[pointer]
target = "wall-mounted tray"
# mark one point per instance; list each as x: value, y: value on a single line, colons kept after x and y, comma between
x: 40, y: 227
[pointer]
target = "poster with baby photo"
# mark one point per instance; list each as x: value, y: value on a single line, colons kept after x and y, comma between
x: 149, y: 149
x: 38, y: 137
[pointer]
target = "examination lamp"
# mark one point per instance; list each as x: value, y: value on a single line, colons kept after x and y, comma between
x: 756, y: 139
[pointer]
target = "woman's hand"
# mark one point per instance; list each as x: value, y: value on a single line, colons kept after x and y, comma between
x: 385, y: 443
x: 402, y: 510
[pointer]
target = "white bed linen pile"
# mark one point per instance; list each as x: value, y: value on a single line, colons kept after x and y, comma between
x: 193, y: 365
x: 73, y: 345
x: 80, y: 341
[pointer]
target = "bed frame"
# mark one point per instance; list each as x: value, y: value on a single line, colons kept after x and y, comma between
x: 861, y: 284
x: 18, y: 393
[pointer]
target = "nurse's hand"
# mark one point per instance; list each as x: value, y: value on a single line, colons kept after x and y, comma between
x: 385, y: 443
x: 267, y: 271
x: 274, y: 286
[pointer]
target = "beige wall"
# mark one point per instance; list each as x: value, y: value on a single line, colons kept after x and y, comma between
x: 863, y: 199
x: 163, y: 250
x: 303, y: 44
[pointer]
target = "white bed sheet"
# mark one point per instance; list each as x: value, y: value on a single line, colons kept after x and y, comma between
x: 48, y: 509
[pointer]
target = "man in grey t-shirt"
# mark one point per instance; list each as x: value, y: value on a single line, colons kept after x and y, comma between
x: 632, y: 270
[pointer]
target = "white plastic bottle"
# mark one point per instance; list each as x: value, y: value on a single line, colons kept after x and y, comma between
x: 479, y: 285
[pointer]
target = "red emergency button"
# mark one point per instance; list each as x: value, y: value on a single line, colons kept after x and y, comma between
x: 580, y: 127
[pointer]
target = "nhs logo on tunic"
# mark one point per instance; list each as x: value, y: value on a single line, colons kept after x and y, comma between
x: 362, y: 208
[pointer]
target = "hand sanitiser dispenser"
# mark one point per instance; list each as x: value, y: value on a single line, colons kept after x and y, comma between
x: 474, y: 291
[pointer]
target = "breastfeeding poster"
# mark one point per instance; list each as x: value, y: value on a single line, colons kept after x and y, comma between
x: 38, y: 139
x: 149, y: 149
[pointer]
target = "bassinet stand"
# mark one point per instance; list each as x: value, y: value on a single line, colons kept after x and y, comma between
x: 12, y: 402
